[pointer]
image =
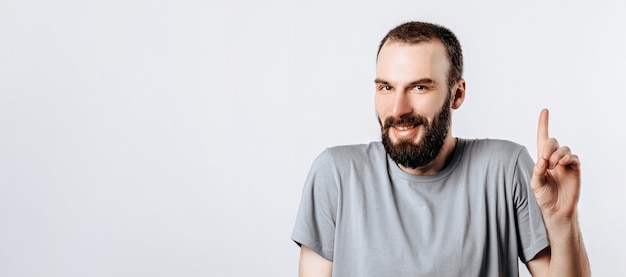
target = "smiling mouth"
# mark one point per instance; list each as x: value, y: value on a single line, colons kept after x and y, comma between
x: 405, y: 127
x: 405, y: 123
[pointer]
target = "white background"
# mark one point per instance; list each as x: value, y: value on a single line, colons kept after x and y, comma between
x: 172, y: 138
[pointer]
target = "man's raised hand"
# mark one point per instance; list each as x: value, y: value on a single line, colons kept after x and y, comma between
x: 556, y: 176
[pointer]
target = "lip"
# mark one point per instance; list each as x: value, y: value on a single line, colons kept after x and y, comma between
x: 405, y: 132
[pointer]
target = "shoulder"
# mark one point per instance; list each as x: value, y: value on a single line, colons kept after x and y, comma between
x: 496, y: 152
x: 495, y: 155
x: 357, y: 152
x: 493, y: 147
x: 353, y: 156
x: 494, y: 144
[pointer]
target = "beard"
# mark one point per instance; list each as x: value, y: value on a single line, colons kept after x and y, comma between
x: 412, y: 155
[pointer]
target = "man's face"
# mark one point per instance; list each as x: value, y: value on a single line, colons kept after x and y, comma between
x: 413, y: 101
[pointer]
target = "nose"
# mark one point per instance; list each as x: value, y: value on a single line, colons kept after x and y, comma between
x: 401, y: 105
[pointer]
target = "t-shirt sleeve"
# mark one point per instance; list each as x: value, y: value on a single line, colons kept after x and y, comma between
x: 532, y: 234
x: 315, y: 221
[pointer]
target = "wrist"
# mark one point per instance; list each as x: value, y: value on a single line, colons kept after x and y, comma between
x: 562, y: 227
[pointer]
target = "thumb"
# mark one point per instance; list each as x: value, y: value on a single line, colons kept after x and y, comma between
x: 540, y: 170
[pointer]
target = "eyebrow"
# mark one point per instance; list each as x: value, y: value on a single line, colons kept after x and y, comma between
x: 423, y: 81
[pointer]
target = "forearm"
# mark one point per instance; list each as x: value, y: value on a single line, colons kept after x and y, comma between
x: 568, y: 254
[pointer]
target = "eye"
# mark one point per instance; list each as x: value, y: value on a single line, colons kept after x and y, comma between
x: 419, y: 89
x: 384, y: 89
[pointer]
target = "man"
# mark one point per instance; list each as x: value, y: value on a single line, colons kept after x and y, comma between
x: 423, y: 203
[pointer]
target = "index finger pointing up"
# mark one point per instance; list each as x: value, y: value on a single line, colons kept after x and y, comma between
x: 542, y: 130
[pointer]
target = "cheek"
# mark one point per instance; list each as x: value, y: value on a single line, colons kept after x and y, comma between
x: 432, y: 106
x: 382, y: 106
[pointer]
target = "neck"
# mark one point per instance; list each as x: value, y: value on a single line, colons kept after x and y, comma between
x: 439, y: 163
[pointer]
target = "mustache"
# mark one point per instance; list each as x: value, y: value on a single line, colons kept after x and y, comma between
x: 404, y: 120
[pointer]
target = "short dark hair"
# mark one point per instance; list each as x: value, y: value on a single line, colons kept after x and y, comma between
x: 416, y: 32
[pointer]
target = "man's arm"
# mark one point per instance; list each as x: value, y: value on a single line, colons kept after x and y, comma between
x: 566, y: 255
x: 556, y: 184
x: 314, y: 265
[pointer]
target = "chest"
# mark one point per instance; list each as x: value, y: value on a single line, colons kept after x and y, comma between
x: 446, y: 227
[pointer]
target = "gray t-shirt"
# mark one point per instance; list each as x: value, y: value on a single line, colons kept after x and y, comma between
x: 474, y: 218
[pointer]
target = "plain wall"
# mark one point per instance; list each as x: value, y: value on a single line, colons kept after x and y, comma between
x: 172, y: 138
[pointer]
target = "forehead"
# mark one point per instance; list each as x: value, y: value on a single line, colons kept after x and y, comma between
x: 399, y: 61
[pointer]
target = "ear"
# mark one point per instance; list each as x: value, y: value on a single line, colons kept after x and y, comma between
x: 458, y: 94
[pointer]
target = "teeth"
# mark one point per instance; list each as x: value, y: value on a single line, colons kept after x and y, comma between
x: 404, y: 128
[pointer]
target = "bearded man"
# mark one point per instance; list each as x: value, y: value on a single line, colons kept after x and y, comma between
x: 424, y: 203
